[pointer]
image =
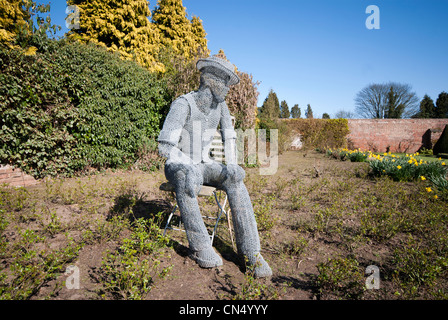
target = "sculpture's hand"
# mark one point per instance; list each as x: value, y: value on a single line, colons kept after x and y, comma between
x: 235, y: 173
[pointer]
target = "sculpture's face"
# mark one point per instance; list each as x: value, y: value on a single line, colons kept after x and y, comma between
x: 217, y: 84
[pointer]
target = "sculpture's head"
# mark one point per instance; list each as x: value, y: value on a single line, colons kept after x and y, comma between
x: 218, y: 75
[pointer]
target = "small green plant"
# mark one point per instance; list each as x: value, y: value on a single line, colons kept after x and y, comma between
x: 264, y: 215
x: 14, y: 199
x: 417, y: 267
x: 130, y: 272
x: 296, y: 247
x: 125, y: 276
x: 253, y: 288
x: 327, y: 220
x: 29, y: 266
x: 342, y: 277
x: 106, y: 230
x: 426, y: 152
x: 380, y: 224
x: 297, y: 201
x: 345, y: 154
x: 54, y: 225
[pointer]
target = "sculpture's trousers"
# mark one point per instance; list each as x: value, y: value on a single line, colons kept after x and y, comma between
x: 219, y: 176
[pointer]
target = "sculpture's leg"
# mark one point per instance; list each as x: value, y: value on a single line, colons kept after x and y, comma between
x: 197, y: 234
x: 246, y: 231
x: 245, y: 225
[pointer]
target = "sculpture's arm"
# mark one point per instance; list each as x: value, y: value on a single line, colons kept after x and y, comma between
x: 228, y: 135
x: 171, y: 132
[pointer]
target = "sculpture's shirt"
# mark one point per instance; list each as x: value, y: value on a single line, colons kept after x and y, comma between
x: 188, y: 132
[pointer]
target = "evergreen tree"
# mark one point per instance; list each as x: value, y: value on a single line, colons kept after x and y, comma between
x: 325, y: 116
x: 20, y: 20
x: 121, y: 26
x: 186, y: 37
x: 12, y: 20
x: 427, y: 108
x: 199, y: 35
x: 295, y: 112
x: 271, y: 107
x: 442, y: 105
x: 394, y: 109
x: 284, y: 110
x: 309, y: 112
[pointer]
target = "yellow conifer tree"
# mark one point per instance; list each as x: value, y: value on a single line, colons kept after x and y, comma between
x: 18, y: 20
x: 121, y: 26
x: 185, y: 37
x: 199, y: 34
x: 12, y: 18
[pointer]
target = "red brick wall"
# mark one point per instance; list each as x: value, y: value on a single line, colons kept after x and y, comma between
x: 395, y: 135
x: 15, y: 177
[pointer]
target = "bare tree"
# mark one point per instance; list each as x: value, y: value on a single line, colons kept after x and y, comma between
x: 374, y: 101
x: 371, y: 101
x: 342, y: 114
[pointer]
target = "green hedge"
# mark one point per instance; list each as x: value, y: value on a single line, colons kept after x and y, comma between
x: 75, y: 106
x: 320, y: 133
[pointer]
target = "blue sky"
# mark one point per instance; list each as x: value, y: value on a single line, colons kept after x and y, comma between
x: 320, y: 52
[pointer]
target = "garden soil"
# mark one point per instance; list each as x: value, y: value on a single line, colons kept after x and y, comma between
x: 293, y: 273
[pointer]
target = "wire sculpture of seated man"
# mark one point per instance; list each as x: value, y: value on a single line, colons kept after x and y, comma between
x: 185, y: 140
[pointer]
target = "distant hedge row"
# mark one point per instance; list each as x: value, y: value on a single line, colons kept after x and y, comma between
x: 319, y: 133
x: 75, y: 106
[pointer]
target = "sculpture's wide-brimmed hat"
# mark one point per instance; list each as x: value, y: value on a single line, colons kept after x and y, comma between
x: 220, y: 64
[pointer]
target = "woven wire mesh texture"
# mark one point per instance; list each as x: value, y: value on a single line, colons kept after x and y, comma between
x: 185, y: 140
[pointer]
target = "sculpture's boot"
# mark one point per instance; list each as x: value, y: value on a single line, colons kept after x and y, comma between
x: 261, y: 267
x: 207, y: 258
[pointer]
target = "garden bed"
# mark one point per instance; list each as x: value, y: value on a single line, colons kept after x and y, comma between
x: 322, y: 223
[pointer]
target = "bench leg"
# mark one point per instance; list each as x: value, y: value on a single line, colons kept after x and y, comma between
x: 221, y: 211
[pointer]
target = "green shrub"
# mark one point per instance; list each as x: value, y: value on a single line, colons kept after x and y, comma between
x: 72, y: 106
x: 36, y: 115
x: 320, y: 133
x: 283, y: 132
